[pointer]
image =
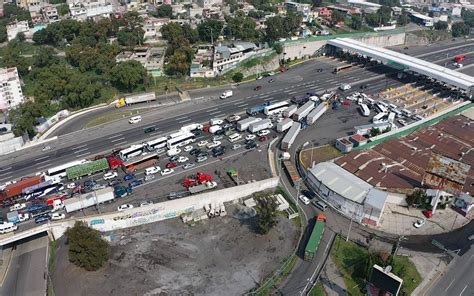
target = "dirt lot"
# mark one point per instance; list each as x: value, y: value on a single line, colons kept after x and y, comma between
x: 222, y: 256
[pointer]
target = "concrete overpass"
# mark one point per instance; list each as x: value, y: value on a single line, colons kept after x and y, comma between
x: 407, y: 63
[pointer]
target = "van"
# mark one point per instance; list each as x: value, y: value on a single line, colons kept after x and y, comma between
x: 392, y: 106
x: 406, y: 112
x: 234, y: 137
x: 383, y: 104
x: 304, y: 199
x: 173, y: 152
x: 135, y: 119
x: 6, y: 227
x: 226, y: 94
x: 369, y: 101
x: 345, y: 87
x: 320, y: 205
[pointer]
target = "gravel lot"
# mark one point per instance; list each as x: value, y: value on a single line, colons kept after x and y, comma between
x: 222, y: 256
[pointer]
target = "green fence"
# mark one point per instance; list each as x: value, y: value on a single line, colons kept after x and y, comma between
x: 87, y: 169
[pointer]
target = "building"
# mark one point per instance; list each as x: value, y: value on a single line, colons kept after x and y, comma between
x: 208, y: 3
x: 50, y: 13
x: 324, y: 12
x: 11, y: 94
x: 202, y: 61
x: 300, y: 8
x: 82, y: 10
x: 32, y: 5
x: 152, y: 27
x: 151, y: 58
x: 1, y: 8
x: 227, y: 57
x: 383, y: 282
x: 365, y: 6
x: 17, y: 27
x: 344, y: 145
x: 8, y: 142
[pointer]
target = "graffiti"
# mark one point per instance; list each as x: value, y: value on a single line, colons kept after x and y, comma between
x: 97, y: 221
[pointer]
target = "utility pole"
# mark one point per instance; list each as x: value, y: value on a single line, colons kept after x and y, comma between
x: 349, y: 231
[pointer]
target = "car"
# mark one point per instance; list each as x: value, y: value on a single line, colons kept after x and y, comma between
x: 42, y: 219
x: 271, y: 80
x: 171, y: 165
x: 71, y: 185
x: 182, y: 159
x: 128, y: 177
x: 124, y: 207
x: 195, y: 151
x: 46, y: 148
x: 149, y: 178
x: 220, y: 132
x: 149, y: 129
x: 146, y: 203
x: 173, y: 152
x: 58, y: 216
x: 283, y: 69
x: 113, y: 183
x: 110, y: 175
x: 188, y: 166
x: 218, y: 153
x: 217, y: 138
x: 236, y: 146
x: 98, y: 187
x: 319, y: 70
x: 89, y: 183
x: 263, y: 132
x: 188, y: 148
x: 320, y: 205
x: 135, y: 183
x: 263, y: 138
x: 216, y: 121
x: 233, y: 118
x: 420, y: 222
x: 251, y: 145
x: 364, y: 86
x: 202, y: 143
x: 174, y: 158
x: 345, y: 87
x: 152, y: 170
x: 218, y: 149
x: 135, y: 119
x: 249, y: 141
x: 203, y: 153
x: 402, y: 122
x: 304, y: 199
x: 201, y: 158
x: 259, y: 77
x: 196, y: 132
x: 250, y: 137
x: 167, y: 172
x: 257, y: 88
x: 213, y: 144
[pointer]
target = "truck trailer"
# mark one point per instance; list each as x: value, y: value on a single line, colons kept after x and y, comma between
x: 284, y: 125
x: 17, y: 188
x: 315, y: 238
x: 134, y: 99
x: 290, y: 136
x: 316, y: 113
x: 290, y: 111
x: 89, y: 199
x: 244, y: 124
x: 260, y: 125
x: 202, y: 187
x: 303, y: 111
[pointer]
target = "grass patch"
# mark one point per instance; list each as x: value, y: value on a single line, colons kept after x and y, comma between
x: 111, y: 116
x: 318, y: 290
x: 320, y: 154
x: 53, y: 248
x: 162, y: 84
x: 403, y: 268
x: 257, y: 61
x: 433, y: 35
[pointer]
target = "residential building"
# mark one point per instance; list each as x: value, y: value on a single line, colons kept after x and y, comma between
x: 300, y: 8
x: 50, y: 13
x: 208, y: 3
x: 11, y: 94
x: 32, y: 5
x: 90, y: 8
x: 195, y: 11
x: 151, y: 58
x: 8, y: 142
x: 1, y: 8
x: 201, y: 66
x: 383, y: 282
x: 152, y: 26
x: 17, y: 27
x: 227, y: 57
x: 365, y: 6
x: 324, y: 12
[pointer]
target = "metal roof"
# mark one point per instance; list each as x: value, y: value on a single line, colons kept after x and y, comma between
x: 393, y: 58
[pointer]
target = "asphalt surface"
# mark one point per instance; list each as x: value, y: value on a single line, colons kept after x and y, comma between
x: 26, y: 275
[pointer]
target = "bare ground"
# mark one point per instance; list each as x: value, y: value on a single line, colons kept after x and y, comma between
x: 222, y: 256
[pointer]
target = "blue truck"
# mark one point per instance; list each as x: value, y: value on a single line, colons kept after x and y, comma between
x: 258, y: 109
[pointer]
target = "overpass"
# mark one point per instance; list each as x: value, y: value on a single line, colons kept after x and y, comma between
x: 407, y: 63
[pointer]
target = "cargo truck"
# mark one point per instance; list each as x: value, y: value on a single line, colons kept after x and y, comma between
x: 17, y: 188
x: 303, y: 111
x: 192, y: 126
x: 226, y: 94
x: 290, y: 136
x: 257, y: 109
x: 300, y: 100
x: 260, y: 125
x: 134, y: 99
x: 290, y: 111
x: 315, y: 238
x: 15, y: 217
x: 244, y: 124
x: 316, y: 113
x: 202, y: 187
x: 284, y: 125
x: 89, y: 199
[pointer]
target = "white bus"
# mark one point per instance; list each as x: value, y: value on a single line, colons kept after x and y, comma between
x: 177, y: 134
x: 179, y: 141
x: 132, y: 151
x: 234, y: 137
x: 378, y: 118
x: 406, y: 112
x: 381, y: 108
x: 364, y: 110
x: 60, y: 171
x: 276, y: 108
x: 391, y: 117
x: 156, y: 144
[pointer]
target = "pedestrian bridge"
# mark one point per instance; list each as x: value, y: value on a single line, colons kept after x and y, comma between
x: 407, y: 63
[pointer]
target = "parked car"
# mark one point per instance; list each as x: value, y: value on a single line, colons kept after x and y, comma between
x: 251, y: 145
x: 188, y: 166
x: 217, y: 138
x: 124, y: 207
x: 213, y: 144
x: 152, y: 170
x: 149, y: 178
x: 135, y: 183
x: 202, y: 143
x: 171, y: 165
x: 233, y: 118
x: 146, y: 203
x: 195, y: 151
x: 42, y: 218
x: 236, y: 146
x: 182, y: 159
x: 174, y: 158
x: 263, y: 132
x: 203, y: 153
x: 110, y: 175
x: 58, y: 216
x: 167, y: 172
x: 420, y: 222
x: 250, y: 137
x: 188, y: 148
x: 71, y: 185
x: 128, y: 177
x: 201, y: 158
x: 113, y: 183
x: 304, y: 199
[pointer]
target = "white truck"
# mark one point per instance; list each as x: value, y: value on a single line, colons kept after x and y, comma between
x: 260, y: 125
x: 244, y: 124
x: 135, y: 99
x: 284, y: 125
x: 303, y: 111
x: 288, y: 112
x: 226, y: 94
x: 316, y: 113
x: 191, y: 127
x: 89, y: 199
x: 213, y: 129
x: 202, y: 187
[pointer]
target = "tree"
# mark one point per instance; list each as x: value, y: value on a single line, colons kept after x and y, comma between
x: 460, y: 29
x: 292, y: 22
x: 86, y: 248
x: 338, y: 16
x: 3, y: 33
x: 164, y: 11
x: 23, y: 118
x: 13, y: 13
x: 385, y: 14
x: 243, y: 28
x: 372, y: 19
x: 210, y: 30
x: 63, y: 9
x: 375, y: 132
x: 237, y: 77
x: 275, y: 29
x: 317, y: 3
x: 441, y: 26
x: 179, y: 63
x: 126, y: 37
x: 41, y: 37
x: 417, y: 197
x: 266, y: 213
x: 468, y: 17
x: 278, y: 48
x: 44, y: 58
x: 403, y: 20
x: 356, y: 23
x: 20, y: 37
x: 128, y: 75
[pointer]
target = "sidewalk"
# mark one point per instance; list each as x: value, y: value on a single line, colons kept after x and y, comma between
x: 333, y: 280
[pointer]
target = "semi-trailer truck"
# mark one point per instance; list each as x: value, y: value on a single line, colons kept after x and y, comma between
x: 134, y: 99
x: 89, y: 199
x: 16, y: 189
x: 315, y: 238
x: 202, y: 187
x: 260, y: 125
x: 258, y: 109
x: 244, y: 124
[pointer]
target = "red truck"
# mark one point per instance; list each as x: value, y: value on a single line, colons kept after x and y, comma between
x: 16, y: 188
x: 459, y: 58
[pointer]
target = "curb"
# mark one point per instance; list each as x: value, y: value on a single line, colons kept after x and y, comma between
x: 7, y: 267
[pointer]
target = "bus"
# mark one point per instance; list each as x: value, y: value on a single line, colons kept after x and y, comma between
x: 391, y: 117
x: 132, y: 151
x: 276, y: 108
x: 139, y: 163
x: 378, y: 118
x: 381, y: 108
x: 342, y: 68
x: 41, y: 190
x: 156, y: 144
x: 60, y: 171
x: 364, y: 110
x: 179, y: 141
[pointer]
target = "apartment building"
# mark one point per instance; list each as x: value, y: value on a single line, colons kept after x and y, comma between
x: 11, y: 94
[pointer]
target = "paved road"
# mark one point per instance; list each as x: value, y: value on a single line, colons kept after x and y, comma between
x: 458, y: 279
x: 26, y: 275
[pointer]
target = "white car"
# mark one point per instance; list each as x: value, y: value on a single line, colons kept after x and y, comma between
x: 304, y: 199
x: 167, y: 172
x: 71, y: 185
x: 263, y: 133
x: 345, y: 87
x: 250, y: 137
x: 202, y: 143
x: 124, y: 207
x: 420, y: 222
x: 182, y: 159
x: 213, y: 144
x: 146, y: 203
x: 110, y: 175
x: 152, y: 170
x: 216, y: 121
x: 135, y: 119
x: 201, y: 158
x: 173, y: 152
x: 188, y: 148
x: 402, y: 122
x: 17, y: 207
x: 236, y: 146
x: 233, y: 118
x: 58, y: 216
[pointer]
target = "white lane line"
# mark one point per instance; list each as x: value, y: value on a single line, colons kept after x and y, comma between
x: 120, y: 143
x: 116, y: 140
x: 293, y: 92
x: 268, y: 99
x: 42, y: 157
x: 44, y: 161
x: 180, y: 118
x: 5, y: 169
x: 237, y: 101
x: 248, y: 97
x: 242, y: 105
x: 184, y: 120
x: 83, y: 154
x: 449, y: 285
x: 79, y: 151
x: 215, y: 112
x: 213, y: 109
x: 115, y: 136
x: 219, y: 115
x: 463, y: 290
x: 43, y: 167
x: 79, y: 147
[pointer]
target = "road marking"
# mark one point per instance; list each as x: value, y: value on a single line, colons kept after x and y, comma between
x: 268, y: 99
x: 79, y: 151
x: 215, y: 112
x: 184, y: 120
x: 449, y: 285
x: 80, y: 146
x: 182, y: 117
x: 213, y: 109
x: 237, y: 101
x: 5, y: 169
x: 42, y: 157
x: 242, y: 105
x: 293, y: 92
x: 116, y: 140
x: 83, y: 154
x: 120, y: 144
x: 44, y: 161
x: 463, y: 290
x: 115, y: 136
x: 43, y: 167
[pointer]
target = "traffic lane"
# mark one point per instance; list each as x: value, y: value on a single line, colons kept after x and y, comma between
x: 434, y: 47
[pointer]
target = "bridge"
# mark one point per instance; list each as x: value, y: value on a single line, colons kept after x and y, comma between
x: 407, y: 63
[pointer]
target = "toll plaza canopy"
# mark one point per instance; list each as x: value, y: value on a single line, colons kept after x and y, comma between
x: 406, y: 62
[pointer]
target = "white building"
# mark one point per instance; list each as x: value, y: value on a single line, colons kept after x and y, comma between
x: 208, y: 3
x: 18, y: 27
x: 152, y: 27
x: 227, y: 57
x: 11, y: 94
x: 90, y: 8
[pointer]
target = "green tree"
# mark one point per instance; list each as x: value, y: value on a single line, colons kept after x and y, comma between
x: 210, y: 30
x: 317, y: 3
x: 266, y: 213
x: 441, y: 26
x: 15, y: 13
x: 164, y: 11
x: 375, y: 132
x: 12, y: 58
x: 128, y: 75
x: 86, y: 247
x: 20, y: 37
x: 356, y: 22
x: 44, y: 58
x: 338, y: 16
x: 417, y: 197
x: 468, y: 17
x: 243, y: 28
x: 179, y: 63
x: 41, y: 37
x: 460, y: 29
x: 403, y: 20
x: 372, y: 19
x: 385, y: 13
x: 278, y: 48
x: 63, y: 9
x: 237, y: 77
x: 3, y: 33
x: 275, y: 29
x: 23, y: 118
x: 292, y: 22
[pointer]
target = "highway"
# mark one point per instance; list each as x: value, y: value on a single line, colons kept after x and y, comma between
x: 103, y: 139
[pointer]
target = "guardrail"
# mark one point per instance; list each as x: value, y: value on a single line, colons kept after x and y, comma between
x: 24, y: 234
